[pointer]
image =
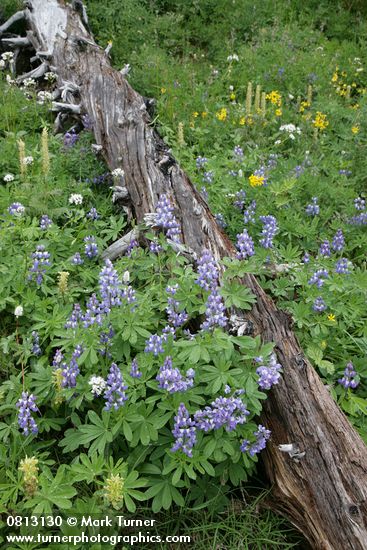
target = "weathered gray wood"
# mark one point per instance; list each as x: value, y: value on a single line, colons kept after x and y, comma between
x: 119, y: 247
x: 324, y: 493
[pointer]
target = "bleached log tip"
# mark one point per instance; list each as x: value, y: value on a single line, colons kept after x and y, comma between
x: 66, y: 108
x: 18, y: 16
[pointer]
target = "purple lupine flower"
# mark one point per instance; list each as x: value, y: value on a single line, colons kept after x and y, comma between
x: 298, y: 170
x: 208, y: 271
x: 306, y: 258
x: 90, y: 248
x: 208, y: 176
x: 219, y: 218
x: 318, y: 277
x: 238, y: 153
x: 240, y: 199
x: 338, y: 241
x: 361, y: 219
x: 184, y: 432
x: 225, y: 412
x: 131, y: 246
x: 128, y: 294
x: 313, y: 209
x: 16, y: 209
x: 41, y: 260
x: 272, y: 161
x: 249, y: 213
x: 71, y: 371
x: 75, y: 317
x: 245, y: 245
x: 269, y: 230
x: 169, y: 331
x: 36, y: 350
x: 87, y: 122
x: 345, y: 172
x: 57, y: 360
x: 26, y: 405
x: 201, y: 162
x: 165, y: 219
x: 342, y: 266
x: 233, y: 173
x: 175, y: 317
x: 359, y: 203
x: 262, y: 173
x: 105, y: 338
x: 171, y: 379
x: 93, y: 314
x: 214, y: 312
x: 155, y: 247
x: 45, y: 222
x: 319, y: 304
x: 269, y: 374
x: 115, y: 395
x: 134, y: 370
x: 110, y: 287
x: 77, y: 259
x: 93, y: 214
x: 262, y: 435
x: 70, y: 139
x: 349, y: 379
x: 154, y: 344
x: 324, y: 249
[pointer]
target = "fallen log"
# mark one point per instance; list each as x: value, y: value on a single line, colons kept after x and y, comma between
x: 320, y: 479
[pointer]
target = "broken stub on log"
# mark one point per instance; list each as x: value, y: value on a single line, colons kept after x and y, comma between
x: 315, y: 461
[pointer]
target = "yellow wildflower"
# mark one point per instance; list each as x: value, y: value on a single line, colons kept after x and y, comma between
x: 335, y: 77
x: 28, y: 467
x: 278, y: 112
x: 204, y: 114
x: 275, y: 98
x: 320, y: 121
x: 304, y: 105
x: 163, y: 90
x: 114, y: 490
x: 355, y: 129
x: 232, y: 97
x: 331, y: 317
x: 256, y: 181
x: 195, y: 114
x: 222, y: 114
x: 242, y: 121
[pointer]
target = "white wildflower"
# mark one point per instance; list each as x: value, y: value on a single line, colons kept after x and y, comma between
x: 8, y: 177
x: 126, y: 277
x: 7, y: 56
x: 75, y: 198
x: 18, y: 312
x: 43, y: 96
x: 290, y: 129
x: 28, y: 160
x: 278, y: 142
x: 98, y: 385
x: 29, y: 82
x: 50, y: 76
x: 233, y: 57
x: 118, y: 173
x: 9, y: 79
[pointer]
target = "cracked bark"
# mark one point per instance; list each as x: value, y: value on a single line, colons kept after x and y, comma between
x: 324, y: 494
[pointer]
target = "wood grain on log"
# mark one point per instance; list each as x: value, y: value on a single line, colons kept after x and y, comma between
x: 324, y: 493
